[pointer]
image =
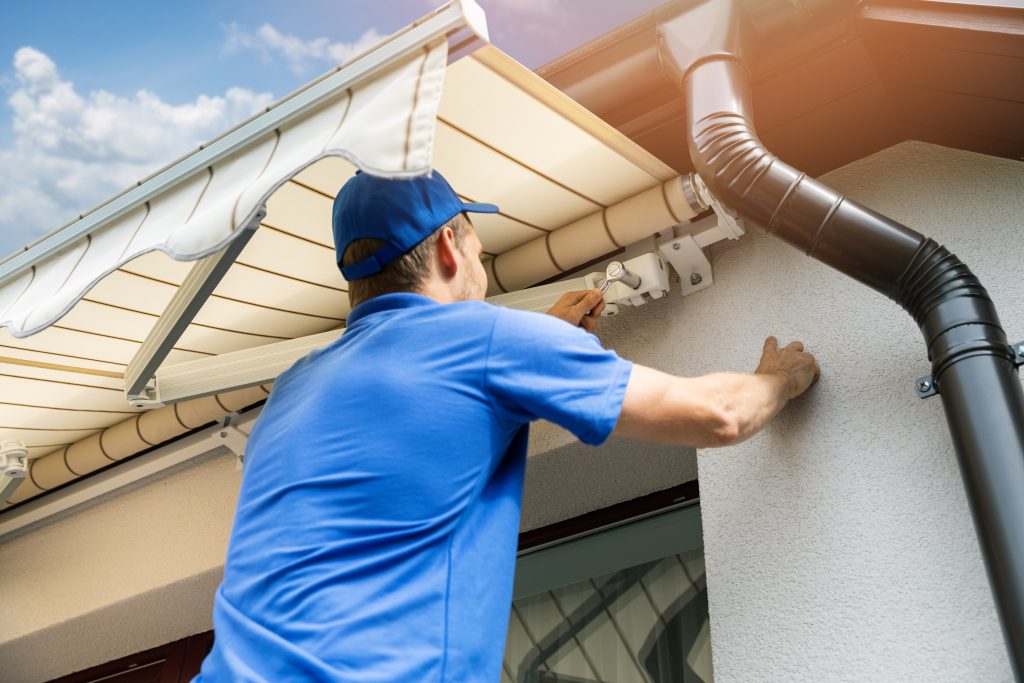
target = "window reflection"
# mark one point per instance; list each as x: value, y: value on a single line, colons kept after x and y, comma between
x: 647, y: 623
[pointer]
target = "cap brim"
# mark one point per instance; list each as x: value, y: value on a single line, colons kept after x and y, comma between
x: 477, y: 207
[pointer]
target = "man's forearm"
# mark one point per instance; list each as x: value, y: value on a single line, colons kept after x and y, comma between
x: 719, y: 409
x: 751, y: 400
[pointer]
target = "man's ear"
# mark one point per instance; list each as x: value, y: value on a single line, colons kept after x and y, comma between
x: 447, y: 254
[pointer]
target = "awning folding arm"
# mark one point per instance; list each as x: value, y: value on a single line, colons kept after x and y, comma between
x: 187, y: 301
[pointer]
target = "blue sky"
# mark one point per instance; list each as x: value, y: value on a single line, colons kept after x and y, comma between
x: 95, y: 95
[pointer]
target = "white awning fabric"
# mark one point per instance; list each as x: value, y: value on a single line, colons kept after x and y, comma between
x: 501, y: 134
x: 385, y: 126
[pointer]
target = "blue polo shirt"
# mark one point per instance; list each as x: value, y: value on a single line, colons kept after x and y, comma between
x: 376, y: 529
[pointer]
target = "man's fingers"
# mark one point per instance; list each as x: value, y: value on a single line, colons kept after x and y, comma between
x: 588, y: 300
x: 598, y: 308
x: 795, y: 345
x: 771, y: 344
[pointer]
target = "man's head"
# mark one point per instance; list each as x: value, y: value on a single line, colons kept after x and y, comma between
x: 407, y: 236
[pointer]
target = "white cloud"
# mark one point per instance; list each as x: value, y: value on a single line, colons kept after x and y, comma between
x: 72, y: 151
x: 300, y: 55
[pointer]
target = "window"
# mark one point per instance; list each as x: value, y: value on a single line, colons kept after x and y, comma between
x: 622, y: 605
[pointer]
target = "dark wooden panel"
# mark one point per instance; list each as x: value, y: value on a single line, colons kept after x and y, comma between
x: 968, y: 141
x: 836, y: 134
x: 196, y: 649
x: 158, y: 665
x: 974, y: 73
x: 667, y: 141
x: 959, y: 113
x: 974, y: 28
x: 813, y: 83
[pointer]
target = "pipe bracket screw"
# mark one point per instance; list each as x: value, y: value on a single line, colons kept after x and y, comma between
x: 696, y: 278
x: 1018, y: 351
x: 926, y: 387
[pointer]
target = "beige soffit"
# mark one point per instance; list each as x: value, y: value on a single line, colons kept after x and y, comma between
x: 501, y: 134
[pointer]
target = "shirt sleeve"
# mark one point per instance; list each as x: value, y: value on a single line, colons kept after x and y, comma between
x: 540, y: 367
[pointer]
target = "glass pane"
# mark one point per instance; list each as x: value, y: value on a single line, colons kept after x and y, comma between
x: 645, y: 623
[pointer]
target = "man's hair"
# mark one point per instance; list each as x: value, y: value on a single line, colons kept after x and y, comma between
x: 408, y: 272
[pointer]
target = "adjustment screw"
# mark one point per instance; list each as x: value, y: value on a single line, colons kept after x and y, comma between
x: 223, y: 435
x: 695, y: 278
x: 676, y: 246
x: 924, y: 385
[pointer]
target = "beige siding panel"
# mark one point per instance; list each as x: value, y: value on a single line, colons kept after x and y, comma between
x: 36, y: 437
x: 280, y: 253
x: 159, y: 266
x: 32, y: 417
x: 541, y: 137
x: 41, y: 392
x: 301, y: 212
x: 88, y: 316
x: 483, y: 175
x: 60, y: 376
x: 65, y: 343
x: 257, y: 286
x: 217, y: 312
x: 500, y: 233
x: 254, y: 319
x: 213, y: 341
x: 129, y: 290
x: 327, y: 175
x: 14, y: 349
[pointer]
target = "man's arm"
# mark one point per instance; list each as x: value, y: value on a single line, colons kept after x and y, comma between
x: 720, y: 409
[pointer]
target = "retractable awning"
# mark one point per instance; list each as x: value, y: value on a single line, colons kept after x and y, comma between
x: 497, y: 131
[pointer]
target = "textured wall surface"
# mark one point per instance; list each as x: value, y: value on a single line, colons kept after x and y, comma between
x: 839, y: 544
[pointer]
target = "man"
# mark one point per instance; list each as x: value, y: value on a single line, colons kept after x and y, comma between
x: 376, y: 528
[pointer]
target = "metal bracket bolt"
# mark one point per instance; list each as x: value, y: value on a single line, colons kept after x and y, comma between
x: 1018, y: 351
x: 232, y: 438
x: 925, y: 387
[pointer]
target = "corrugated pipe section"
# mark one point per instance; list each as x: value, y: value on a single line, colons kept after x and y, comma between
x: 136, y: 434
x: 973, y: 366
x: 593, y: 236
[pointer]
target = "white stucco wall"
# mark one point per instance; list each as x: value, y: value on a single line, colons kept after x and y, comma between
x: 839, y: 544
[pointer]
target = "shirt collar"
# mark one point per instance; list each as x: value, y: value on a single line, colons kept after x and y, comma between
x: 388, y: 302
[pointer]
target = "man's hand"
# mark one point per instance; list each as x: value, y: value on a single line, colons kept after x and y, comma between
x: 581, y: 309
x: 719, y: 409
x: 792, y: 362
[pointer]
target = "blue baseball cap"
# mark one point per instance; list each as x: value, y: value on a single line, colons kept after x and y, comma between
x: 403, y: 212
